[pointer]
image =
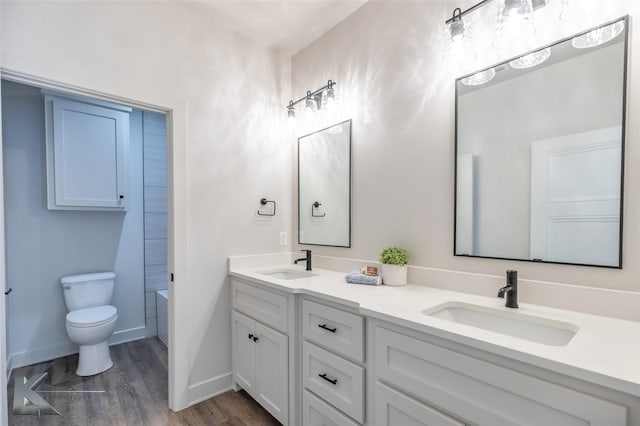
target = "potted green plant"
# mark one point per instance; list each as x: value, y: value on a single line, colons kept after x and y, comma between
x: 394, y: 266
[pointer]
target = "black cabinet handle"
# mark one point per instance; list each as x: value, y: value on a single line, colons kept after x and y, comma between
x: 122, y: 197
x: 255, y: 338
x: 8, y: 291
x: 332, y: 381
x: 250, y: 336
x: 325, y: 327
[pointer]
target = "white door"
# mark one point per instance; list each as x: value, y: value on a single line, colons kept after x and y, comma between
x: 244, y: 351
x: 272, y: 367
x: 575, y: 198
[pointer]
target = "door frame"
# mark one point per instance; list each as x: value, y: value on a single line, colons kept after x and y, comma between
x: 178, y: 328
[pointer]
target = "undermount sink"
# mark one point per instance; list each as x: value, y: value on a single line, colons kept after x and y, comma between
x: 286, y: 274
x: 527, y: 327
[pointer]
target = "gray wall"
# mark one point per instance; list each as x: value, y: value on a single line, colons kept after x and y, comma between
x: 44, y: 245
x: 154, y: 144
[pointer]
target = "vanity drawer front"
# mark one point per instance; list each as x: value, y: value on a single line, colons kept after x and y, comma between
x: 338, y: 330
x: 336, y: 380
x: 395, y: 408
x: 264, y: 306
x: 316, y: 412
x: 482, y: 392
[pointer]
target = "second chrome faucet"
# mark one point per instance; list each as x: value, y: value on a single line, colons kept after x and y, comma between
x: 511, y: 290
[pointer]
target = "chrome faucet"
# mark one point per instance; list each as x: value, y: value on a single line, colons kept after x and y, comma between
x: 511, y: 289
x: 306, y: 259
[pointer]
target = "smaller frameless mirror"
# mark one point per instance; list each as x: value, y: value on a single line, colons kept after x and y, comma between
x: 324, y: 187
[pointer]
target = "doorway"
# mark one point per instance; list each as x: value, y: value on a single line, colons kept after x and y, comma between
x: 168, y: 240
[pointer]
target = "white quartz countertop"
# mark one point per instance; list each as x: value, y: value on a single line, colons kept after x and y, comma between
x: 605, y: 351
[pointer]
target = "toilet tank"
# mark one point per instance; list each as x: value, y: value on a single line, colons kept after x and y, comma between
x: 87, y: 290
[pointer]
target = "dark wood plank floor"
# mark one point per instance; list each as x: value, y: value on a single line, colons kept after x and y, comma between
x: 135, y: 393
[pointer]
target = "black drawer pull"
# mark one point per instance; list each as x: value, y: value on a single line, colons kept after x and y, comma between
x: 332, y: 381
x: 324, y: 326
x: 250, y: 336
x: 255, y: 338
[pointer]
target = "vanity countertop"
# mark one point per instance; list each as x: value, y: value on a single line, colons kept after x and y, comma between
x: 604, y: 351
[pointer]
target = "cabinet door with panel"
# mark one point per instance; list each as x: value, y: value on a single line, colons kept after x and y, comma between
x: 244, y: 351
x: 87, y: 152
x: 272, y: 361
x: 261, y: 364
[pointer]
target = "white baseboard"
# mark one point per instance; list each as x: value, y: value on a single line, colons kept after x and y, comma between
x: 209, y: 388
x: 47, y: 353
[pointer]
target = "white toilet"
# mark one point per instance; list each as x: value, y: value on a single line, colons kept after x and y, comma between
x: 91, y: 319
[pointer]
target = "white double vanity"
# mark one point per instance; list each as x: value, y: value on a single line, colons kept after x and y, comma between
x: 314, y: 350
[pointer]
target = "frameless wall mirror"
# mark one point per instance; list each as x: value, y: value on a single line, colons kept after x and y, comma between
x: 324, y: 187
x: 540, y: 153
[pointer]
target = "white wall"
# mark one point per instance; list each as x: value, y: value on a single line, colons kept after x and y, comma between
x: 43, y: 245
x: 387, y: 60
x: 549, y: 102
x: 226, y: 151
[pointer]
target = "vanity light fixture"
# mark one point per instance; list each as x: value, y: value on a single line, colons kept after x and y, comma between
x: 479, y: 78
x: 598, y: 36
x: 319, y: 100
x: 532, y: 59
x: 514, y: 21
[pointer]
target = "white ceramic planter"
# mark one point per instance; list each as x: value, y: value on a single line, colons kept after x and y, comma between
x: 394, y: 275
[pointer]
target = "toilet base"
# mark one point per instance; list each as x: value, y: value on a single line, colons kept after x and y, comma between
x: 94, y: 359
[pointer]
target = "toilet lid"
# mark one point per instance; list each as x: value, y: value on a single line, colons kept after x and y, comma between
x: 91, y: 317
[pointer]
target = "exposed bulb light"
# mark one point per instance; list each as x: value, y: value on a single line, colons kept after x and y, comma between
x: 479, y: 78
x: 514, y: 23
x: 459, y: 40
x: 291, y: 111
x: 598, y: 36
x: 309, y: 103
x: 532, y: 59
x: 328, y: 97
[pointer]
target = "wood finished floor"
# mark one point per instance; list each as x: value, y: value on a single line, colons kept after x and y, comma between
x: 135, y: 394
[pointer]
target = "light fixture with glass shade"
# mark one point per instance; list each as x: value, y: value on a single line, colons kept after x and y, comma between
x: 328, y: 97
x: 459, y: 40
x: 479, y: 78
x: 532, y: 59
x: 598, y: 36
x: 514, y: 23
x: 318, y: 100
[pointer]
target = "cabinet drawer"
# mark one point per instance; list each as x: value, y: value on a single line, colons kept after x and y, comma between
x: 316, y: 412
x: 333, y: 328
x: 336, y: 380
x: 394, y: 408
x: 482, y: 392
x: 264, y: 306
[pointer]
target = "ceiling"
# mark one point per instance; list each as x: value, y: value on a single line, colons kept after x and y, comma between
x: 287, y: 25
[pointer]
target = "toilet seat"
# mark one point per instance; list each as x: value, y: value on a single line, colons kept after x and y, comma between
x: 91, y: 317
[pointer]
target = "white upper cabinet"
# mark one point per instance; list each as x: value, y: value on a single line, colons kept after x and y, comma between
x: 87, y: 150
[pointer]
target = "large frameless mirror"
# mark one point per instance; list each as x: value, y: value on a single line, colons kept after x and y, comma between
x: 540, y: 153
x: 324, y: 187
